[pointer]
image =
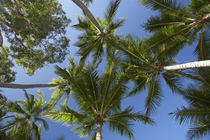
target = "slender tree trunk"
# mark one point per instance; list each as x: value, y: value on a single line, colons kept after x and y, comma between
x: 88, y: 14
x: 25, y: 86
x: 98, y: 132
x: 196, y: 64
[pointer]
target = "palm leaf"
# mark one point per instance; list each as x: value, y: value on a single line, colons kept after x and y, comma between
x: 111, y: 11
x: 44, y: 122
x: 173, y: 81
x: 199, y: 130
x: 191, y: 114
x: 160, y: 4
x: 154, y: 95
x: 203, y: 48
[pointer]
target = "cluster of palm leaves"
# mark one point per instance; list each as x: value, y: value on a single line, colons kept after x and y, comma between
x: 143, y: 61
x: 99, y: 94
x: 197, y: 112
x: 99, y: 99
x: 19, y: 119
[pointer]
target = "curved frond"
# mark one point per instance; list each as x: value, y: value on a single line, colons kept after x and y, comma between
x: 154, y: 95
x: 111, y: 11
x: 160, y: 4
x: 173, y: 81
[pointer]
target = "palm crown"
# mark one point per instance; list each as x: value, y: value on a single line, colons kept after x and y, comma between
x: 24, y: 124
x: 93, y: 40
x: 177, y: 26
x: 99, y: 102
x: 145, y: 70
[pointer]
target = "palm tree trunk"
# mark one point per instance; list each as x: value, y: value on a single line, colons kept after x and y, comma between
x: 98, y: 132
x: 196, y: 64
x: 25, y: 86
x: 88, y: 14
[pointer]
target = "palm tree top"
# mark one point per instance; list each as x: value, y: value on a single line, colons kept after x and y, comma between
x: 98, y: 102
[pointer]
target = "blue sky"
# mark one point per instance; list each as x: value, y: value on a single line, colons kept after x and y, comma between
x: 166, y: 127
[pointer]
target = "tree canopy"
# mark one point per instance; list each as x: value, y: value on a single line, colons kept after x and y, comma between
x: 118, y: 66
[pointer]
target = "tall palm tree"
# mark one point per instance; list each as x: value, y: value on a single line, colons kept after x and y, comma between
x: 176, y: 26
x: 99, y: 102
x: 28, y: 113
x: 198, y: 110
x: 93, y: 40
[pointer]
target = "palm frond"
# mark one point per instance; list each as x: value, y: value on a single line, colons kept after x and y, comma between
x: 66, y: 118
x: 199, y: 129
x: 173, y: 81
x: 191, y: 114
x: 121, y: 126
x: 130, y: 115
x: 44, y: 122
x: 62, y: 73
x: 160, y: 4
x: 154, y: 95
x: 203, y: 48
x: 139, y: 85
x: 111, y: 11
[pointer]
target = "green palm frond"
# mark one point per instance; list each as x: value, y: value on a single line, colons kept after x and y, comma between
x: 191, y: 114
x: 192, y: 75
x: 57, y: 95
x: 198, y: 111
x: 111, y: 11
x: 63, y: 73
x: 176, y: 27
x: 128, y: 114
x: 44, y: 122
x: 14, y: 107
x: 156, y: 22
x: 203, y: 48
x: 122, y: 126
x: 107, y: 78
x: 197, y: 97
x: 154, y: 95
x: 65, y: 118
x: 160, y: 4
x: 37, y: 131
x: 200, y: 129
x: 39, y: 103
x: 173, y: 81
x: 198, y: 5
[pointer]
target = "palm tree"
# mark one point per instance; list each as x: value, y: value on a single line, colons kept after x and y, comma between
x: 28, y: 113
x: 147, y: 73
x: 99, y: 102
x: 198, y: 110
x: 93, y: 40
x: 178, y: 25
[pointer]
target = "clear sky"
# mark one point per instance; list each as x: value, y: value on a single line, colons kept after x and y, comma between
x: 166, y: 127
